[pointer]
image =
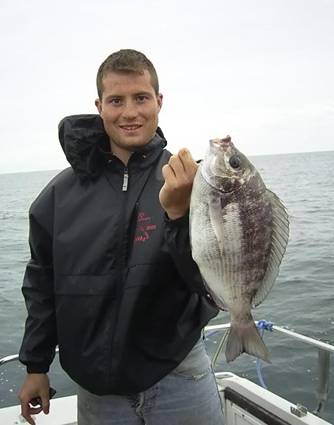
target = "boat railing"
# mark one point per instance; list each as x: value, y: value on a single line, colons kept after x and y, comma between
x: 311, y: 341
x: 324, y: 352
x: 13, y: 358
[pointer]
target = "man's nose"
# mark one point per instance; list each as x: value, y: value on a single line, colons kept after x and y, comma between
x: 130, y: 111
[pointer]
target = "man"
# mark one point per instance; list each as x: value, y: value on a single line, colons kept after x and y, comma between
x: 111, y: 279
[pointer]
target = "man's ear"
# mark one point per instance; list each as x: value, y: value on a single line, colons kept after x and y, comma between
x: 160, y: 98
x: 98, y: 105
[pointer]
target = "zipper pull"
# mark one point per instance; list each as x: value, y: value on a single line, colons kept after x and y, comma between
x: 125, y: 180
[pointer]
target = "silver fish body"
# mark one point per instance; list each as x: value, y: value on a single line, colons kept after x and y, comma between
x: 239, y: 232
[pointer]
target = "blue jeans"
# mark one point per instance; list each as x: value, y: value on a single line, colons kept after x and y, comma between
x: 187, y: 396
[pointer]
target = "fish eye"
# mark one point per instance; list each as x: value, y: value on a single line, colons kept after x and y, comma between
x: 235, y: 161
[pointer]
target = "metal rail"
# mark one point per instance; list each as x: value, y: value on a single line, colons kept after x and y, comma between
x: 311, y: 341
x: 8, y: 359
x: 13, y: 358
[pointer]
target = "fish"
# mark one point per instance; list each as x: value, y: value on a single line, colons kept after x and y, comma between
x: 239, y: 231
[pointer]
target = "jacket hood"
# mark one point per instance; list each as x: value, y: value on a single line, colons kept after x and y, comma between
x: 86, y: 144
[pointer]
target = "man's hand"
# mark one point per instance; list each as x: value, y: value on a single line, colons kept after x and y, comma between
x: 35, y: 385
x: 179, y: 175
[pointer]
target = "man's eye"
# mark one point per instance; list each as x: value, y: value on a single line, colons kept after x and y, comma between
x: 115, y: 101
x: 141, y: 98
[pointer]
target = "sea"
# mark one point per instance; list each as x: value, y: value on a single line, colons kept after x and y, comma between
x: 301, y: 300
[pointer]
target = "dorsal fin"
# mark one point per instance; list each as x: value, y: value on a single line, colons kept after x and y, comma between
x: 279, y: 241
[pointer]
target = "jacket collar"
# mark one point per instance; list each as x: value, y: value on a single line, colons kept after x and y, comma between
x: 87, y: 148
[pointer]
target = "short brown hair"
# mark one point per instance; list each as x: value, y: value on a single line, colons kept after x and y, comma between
x: 126, y: 61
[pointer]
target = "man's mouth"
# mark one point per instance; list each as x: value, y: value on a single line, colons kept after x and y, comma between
x: 131, y: 127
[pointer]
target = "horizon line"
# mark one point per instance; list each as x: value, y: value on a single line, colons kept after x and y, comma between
x: 251, y: 156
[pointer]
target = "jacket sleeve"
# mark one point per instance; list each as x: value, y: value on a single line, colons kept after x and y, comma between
x: 40, y: 335
x: 178, y: 241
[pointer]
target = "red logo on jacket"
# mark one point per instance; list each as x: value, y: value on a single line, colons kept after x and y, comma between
x: 144, y: 227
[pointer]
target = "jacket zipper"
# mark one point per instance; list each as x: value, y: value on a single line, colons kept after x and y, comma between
x: 125, y: 179
x: 122, y: 266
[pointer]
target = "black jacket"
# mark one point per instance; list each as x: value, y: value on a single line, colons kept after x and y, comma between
x: 111, y: 279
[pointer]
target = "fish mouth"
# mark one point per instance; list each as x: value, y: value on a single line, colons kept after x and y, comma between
x: 225, y: 144
x: 217, y: 170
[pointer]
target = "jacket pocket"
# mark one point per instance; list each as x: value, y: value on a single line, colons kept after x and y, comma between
x: 86, y: 284
x: 85, y: 307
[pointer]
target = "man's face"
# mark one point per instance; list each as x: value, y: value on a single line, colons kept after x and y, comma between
x: 129, y: 109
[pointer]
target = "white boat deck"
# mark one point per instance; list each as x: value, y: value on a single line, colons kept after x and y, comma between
x: 63, y: 411
x: 254, y: 405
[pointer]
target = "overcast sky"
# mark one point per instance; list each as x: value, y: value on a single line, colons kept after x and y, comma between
x: 261, y: 71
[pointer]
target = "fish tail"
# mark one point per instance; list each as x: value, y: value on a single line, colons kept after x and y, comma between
x: 245, y: 338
